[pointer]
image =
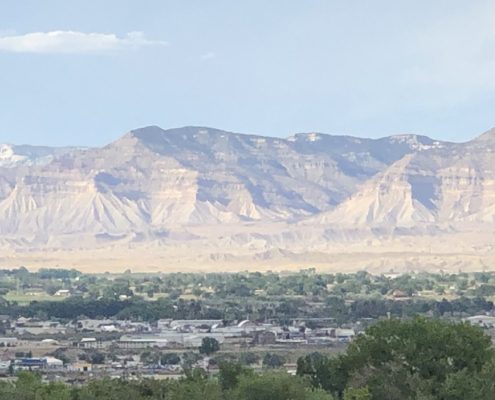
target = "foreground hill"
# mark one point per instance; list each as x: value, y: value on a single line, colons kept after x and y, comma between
x: 198, y: 197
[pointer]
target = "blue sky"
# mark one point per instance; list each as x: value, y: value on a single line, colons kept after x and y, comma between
x: 85, y: 72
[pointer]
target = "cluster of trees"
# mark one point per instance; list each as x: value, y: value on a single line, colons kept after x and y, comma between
x: 416, y: 359
x: 338, y: 308
x: 136, y: 309
x: 48, y: 279
x: 334, y: 306
x: 241, y: 285
x: 233, y: 383
x: 232, y: 296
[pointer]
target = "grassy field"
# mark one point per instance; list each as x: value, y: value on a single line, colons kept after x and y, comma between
x: 22, y: 298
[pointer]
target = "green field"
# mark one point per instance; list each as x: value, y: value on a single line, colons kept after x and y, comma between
x: 22, y: 298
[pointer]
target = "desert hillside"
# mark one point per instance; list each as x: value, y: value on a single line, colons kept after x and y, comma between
x: 195, y: 198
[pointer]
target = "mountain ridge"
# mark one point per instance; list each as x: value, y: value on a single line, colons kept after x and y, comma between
x: 202, y: 195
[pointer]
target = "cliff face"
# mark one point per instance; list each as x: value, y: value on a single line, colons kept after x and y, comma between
x: 443, y: 187
x: 216, y: 195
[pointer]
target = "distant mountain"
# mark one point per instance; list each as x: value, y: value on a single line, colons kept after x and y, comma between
x: 444, y: 186
x: 199, y: 196
x: 14, y: 156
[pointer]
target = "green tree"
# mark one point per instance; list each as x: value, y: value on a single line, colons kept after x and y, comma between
x: 230, y: 374
x: 276, y: 386
x: 109, y: 389
x: 197, y: 386
x: 324, y: 372
x: 189, y: 359
x: 149, y: 357
x: 271, y: 360
x: 317, y: 394
x: 54, y: 391
x: 357, y: 394
x: 405, y: 360
x: 248, y: 358
x: 170, y: 359
x: 209, y: 346
x: 27, y: 385
x: 97, y: 358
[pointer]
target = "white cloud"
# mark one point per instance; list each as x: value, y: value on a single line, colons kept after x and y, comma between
x: 72, y: 42
x: 208, y: 56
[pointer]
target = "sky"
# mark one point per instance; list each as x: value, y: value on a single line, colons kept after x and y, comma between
x: 84, y: 72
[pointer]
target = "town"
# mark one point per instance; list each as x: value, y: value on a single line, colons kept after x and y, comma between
x: 118, y: 348
x: 73, y: 327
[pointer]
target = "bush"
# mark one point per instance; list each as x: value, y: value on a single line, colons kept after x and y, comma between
x: 273, y: 361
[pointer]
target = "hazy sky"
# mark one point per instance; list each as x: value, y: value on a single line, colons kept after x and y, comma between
x: 86, y: 71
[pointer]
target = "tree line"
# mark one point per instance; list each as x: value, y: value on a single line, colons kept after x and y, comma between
x: 282, y: 310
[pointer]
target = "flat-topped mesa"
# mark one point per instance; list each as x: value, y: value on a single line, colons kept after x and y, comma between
x: 201, y: 142
x: 154, y: 135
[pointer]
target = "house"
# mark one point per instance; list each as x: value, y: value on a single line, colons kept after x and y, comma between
x: 22, y: 321
x: 90, y: 343
x: 291, y: 369
x: 81, y: 367
x: 483, y: 321
x: 54, y: 363
x: 243, y: 329
x: 35, y: 292
x: 343, y: 335
x: 4, y: 368
x: 292, y: 342
x: 52, y: 342
x: 36, y: 327
x: 265, y: 338
x: 321, y: 340
x: 138, y: 327
x: 29, y: 364
x: 399, y: 294
x: 93, y: 325
x: 163, y: 324
x: 109, y: 328
x: 167, y: 339
x: 8, y: 342
x: 143, y: 341
x: 247, y: 325
x: 62, y: 293
x: 188, y: 324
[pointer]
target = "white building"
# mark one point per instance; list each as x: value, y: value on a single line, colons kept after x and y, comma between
x: 52, y: 362
x: 167, y: 339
